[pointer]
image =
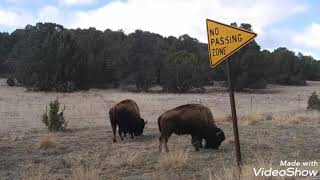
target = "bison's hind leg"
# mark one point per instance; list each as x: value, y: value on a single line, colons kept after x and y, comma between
x: 114, y: 130
x: 164, y: 140
x: 165, y: 135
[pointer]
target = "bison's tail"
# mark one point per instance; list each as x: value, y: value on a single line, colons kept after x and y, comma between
x: 159, y: 123
x: 113, y: 117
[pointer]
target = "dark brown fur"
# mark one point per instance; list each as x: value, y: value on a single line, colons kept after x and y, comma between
x: 126, y: 115
x: 193, y: 119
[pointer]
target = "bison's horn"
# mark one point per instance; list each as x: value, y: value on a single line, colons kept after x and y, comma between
x: 219, y: 132
x: 145, y: 122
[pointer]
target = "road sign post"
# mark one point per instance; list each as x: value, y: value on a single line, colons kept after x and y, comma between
x: 223, y: 41
x: 234, y: 114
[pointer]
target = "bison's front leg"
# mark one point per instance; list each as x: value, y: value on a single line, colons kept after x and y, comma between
x: 200, y: 143
x: 166, y: 145
x: 131, y: 133
x: 196, y: 142
x: 160, y: 144
x: 120, y: 134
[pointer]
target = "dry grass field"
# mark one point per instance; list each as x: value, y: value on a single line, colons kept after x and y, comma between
x: 274, y: 127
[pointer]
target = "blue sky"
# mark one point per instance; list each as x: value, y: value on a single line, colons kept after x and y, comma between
x: 287, y: 23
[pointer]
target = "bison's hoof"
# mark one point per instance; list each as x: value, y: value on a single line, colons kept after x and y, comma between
x: 114, y: 141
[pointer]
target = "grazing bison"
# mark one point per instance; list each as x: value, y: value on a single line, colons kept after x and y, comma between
x: 126, y: 115
x: 193, y: 119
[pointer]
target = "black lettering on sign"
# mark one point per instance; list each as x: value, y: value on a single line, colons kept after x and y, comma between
x: 212, y: 42
x: 234, y: 38
x: 239, y: 38
x: 219, y: 51
x: 226, y: 39
x: 214, y: 32
x: 217, y: 41
x: 221, y: 41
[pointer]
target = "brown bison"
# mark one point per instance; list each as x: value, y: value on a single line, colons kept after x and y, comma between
x: 126, y: 115
x: 193, y: 119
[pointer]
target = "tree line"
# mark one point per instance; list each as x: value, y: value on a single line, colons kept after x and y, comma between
x: 49, y: 57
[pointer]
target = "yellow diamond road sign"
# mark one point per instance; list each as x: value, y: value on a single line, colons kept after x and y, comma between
x: 224, y: 40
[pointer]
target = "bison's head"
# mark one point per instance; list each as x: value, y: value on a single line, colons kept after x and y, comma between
x: 139, y: 129
x: 216, y: 139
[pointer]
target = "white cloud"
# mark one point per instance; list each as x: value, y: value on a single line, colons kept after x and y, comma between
x: 14, y: 18
x: 50, y: 14
x: 10, y: 19
x: 310, y: 37
x: 17, y: 18
x: 76, y: 2
x: 306, y: 41
x: 168, y: 17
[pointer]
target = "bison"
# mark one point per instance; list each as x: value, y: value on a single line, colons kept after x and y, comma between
x: 193, y: 119
x: 126, y: 115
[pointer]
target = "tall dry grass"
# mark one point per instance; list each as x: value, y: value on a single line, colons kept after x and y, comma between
x: 280, y: 118
x: 296, y: 117
x: 34, y: 172
x: 124, y: 159
x: 84, y: 173
x: 251, y: 118
x: 262, y: 141
x: 48, y: 141
x: 245, y: 118
x: 177, y: 157
x: 34, y: 175
x: 81, y: 168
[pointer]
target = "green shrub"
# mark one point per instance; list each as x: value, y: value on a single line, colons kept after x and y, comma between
x: 54, y: 120
x: 314, y: 102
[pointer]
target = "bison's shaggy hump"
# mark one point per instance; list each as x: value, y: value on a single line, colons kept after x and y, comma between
x: 130, y: 105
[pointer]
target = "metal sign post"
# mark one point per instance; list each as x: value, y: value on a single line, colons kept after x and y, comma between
x: 234, y: 114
